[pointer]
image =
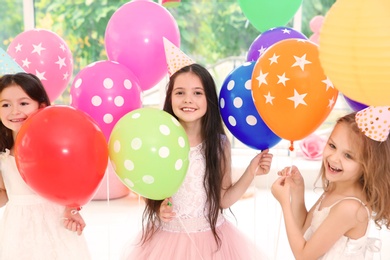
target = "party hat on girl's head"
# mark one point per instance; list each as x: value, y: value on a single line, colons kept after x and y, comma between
x: 7, y: 64
x: 176, y: 59
x: 374, y: 122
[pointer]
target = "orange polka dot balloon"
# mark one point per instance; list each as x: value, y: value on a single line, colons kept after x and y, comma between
x: 290, y: 90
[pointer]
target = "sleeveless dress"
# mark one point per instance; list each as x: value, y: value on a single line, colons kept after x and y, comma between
x: 345, y: 248
x: 188, y: 235
x: 31, y: 227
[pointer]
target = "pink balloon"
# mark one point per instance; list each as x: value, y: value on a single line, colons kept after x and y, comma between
x: 106, y: 90
x: 316, y: 23
x: 45, y: 54
x: 315, y: 26
x: 111, y: 186
x: 134, y: 38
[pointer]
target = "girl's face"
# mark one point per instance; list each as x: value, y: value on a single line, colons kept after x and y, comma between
x: 15, y: 107
x: 340, y: 156
x: 189, y: 102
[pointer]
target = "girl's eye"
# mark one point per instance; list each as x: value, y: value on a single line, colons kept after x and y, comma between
x: 348, y: 156
x: 198, y: 93
x: 5, y: 105
x: 179, y: 93
x: 24, y: 103
x: 332, y: 146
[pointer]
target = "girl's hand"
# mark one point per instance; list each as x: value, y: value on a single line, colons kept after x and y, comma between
x: 166, y: 210
x: 261, y: 164
x: 281, y: 189
x: 295, y: 179
x: 73, y: 221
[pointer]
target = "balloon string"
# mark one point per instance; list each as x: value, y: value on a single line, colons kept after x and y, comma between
x: 254, y: 219
x: 108, y: 205
x: 189, y: 236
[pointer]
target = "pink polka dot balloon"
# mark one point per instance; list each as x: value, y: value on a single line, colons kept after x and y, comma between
x: 106, y: 90
x: 46, y: 55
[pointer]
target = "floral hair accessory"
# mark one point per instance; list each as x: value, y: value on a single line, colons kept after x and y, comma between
x: 176, y: 59
x: 374, y: 122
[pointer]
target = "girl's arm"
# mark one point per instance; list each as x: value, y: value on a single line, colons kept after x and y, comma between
x: 3, y: 192
x: 231, y: 193
x: 73, y: 221
x: 343, y: 217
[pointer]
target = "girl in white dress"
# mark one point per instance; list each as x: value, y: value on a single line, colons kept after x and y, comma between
x: 31, y: 227
x: 191, y: 224
x: 355, y: 173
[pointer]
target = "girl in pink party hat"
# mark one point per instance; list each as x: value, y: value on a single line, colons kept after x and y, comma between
x: 191, y: 223
x: 355, y: 173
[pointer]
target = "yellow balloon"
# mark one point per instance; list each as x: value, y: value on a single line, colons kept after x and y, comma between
x: 354, y: 49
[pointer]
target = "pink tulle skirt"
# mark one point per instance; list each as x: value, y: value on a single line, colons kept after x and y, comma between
x: 196, y: 245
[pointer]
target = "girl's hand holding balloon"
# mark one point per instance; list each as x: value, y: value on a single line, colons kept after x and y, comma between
x: 294, y: 177
x: 73, y: 221
x: 166, y: 210
x: 261, y: 163
x: 281, y: 189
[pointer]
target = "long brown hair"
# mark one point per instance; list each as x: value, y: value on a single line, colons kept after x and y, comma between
x: 213, y: 143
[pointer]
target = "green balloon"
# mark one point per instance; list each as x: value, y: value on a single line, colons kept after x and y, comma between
x: 149, y: 152
x: 266, y: 14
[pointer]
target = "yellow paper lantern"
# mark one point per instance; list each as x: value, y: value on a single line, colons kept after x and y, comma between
x: 354, y: 49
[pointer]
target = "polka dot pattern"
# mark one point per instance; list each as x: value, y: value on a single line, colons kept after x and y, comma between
x: 239, y: 112
x: 175, y: 57
x: 374, y: 122
x: 149, y: 150
x: 106, y: 90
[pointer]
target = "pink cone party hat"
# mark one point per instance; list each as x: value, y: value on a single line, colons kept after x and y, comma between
x: 374, y: 122
x: 176, y: 59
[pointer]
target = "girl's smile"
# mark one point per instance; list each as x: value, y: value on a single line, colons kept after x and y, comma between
x: 15, y: 107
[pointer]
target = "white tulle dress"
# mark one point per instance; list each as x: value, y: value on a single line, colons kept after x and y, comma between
x: 189, y: 236
x: 345, y: 248
x: 31, y: 227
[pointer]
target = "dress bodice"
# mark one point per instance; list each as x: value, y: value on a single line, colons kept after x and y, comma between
x: 190, y: 201
x: 11, y: 176
x: 344, y: 248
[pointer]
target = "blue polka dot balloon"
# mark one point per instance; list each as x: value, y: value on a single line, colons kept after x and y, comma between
x: 239, y: 112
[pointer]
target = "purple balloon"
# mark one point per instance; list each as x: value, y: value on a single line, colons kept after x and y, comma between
x: 354, y: 105
x: 270, y: 37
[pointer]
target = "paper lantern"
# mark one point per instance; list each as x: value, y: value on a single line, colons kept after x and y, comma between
x: 354, y: 48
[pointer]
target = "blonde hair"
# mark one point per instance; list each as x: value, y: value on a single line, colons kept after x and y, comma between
x: 374, y: 159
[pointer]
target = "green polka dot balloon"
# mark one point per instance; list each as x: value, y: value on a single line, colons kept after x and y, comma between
x: 149, y: 151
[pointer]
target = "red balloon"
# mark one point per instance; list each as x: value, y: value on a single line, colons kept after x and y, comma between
x: 62, y: 155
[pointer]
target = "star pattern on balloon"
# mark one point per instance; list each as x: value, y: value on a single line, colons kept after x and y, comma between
x: 262, y: 50
x: 262, y: 78
x: 274, y: 59
x: 282, y: 79
x: 268, y: 98
x: 298, y: 98
x: 301, y: 62
x: 45, y: 54
x: 294, y: 90
x: 18, y: 47
x: 328, y: 83
x: 38, y: 48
